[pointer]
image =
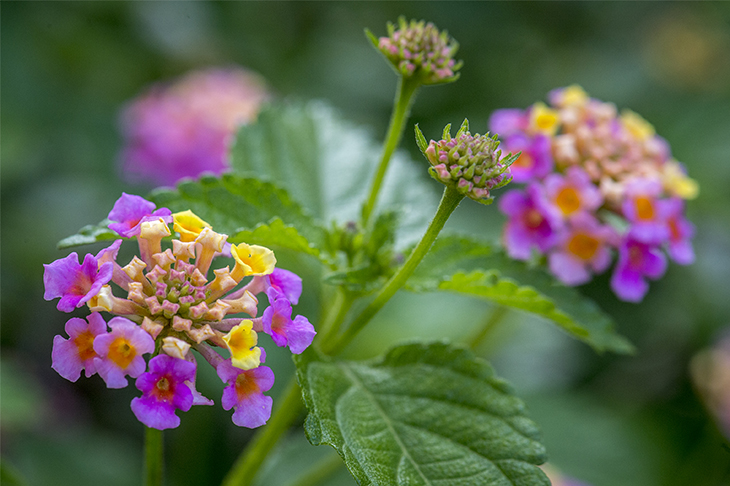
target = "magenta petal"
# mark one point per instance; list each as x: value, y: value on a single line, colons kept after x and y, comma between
x: 655, y: 263
x: 155, y: 414
x: 629, y: 285
x: 130, y: 210
x: 569, y: 270
x: 507, y: 121
x: 288, y: 283
x: 65, y: 359
x: 300, y: 334
x: 254, y: 413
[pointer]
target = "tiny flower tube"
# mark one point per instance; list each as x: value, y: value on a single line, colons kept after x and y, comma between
x: 681, y: 231
x: 130, y: 211
x: 188, y: 225
x: 241, y: 342
x: 297, y: 334
x: 120, y: 352
x: 535, y: 160
x: 245, y: 393
x: 164, y: 391
x: 645, y: 211
x: 584, y: 247
x: 251, y: 260
x: 75, y: 283
x: 572, y: 194
x: 529, y: 225
x: 636, y: 262
x: 70, y: 356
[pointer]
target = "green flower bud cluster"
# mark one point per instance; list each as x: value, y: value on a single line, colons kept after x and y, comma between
x: 419, y: 50
x: 471, y: 163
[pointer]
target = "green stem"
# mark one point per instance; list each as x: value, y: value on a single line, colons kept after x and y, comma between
x: 250, y: 461
x: 335, y: 314
x: 495, y: 317
x: 404, y: 97
x: 449, y: 201
x: 153, y: 455
x: 322, y: 470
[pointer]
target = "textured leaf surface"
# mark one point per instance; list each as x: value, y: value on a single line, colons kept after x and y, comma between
x: 425, y: 414
x: 247, y: 210
x: 463, y: 265
x: 89, y: 234
x: 327, y: 163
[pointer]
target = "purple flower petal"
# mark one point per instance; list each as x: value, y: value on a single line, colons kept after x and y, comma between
x: 287, y: 283
x: 75, y: 283
x: 245, y: 393
x: 120, y: 352
x: 165, y: 390
x: 297, y: 334
x: 130, y: 211
x: 70, y: 356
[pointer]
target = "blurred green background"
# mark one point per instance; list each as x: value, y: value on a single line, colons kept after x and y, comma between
x: 68, y: 67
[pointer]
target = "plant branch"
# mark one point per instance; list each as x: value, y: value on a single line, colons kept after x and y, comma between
x: 449, y: 202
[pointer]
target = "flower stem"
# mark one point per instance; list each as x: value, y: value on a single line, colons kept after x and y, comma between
x: 404, y: 97
x: 250, y: 461
x: 153, y: 456
x: 449, y: 202
x: 494, y: 318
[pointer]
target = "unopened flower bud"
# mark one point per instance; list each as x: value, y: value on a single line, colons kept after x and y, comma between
x: 470, y: 163
x: 419, y: 50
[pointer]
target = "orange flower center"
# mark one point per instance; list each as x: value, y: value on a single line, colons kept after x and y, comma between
x: 85, y: 344
x: 644, y: 208
x: 583, y: 246
x: 568, y: 200
x: 121, y: 352
x: 164, y: 390
x: 533, y: 218
x: 245, y: 386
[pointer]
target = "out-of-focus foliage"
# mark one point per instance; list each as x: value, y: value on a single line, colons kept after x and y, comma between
x: 67, y: 69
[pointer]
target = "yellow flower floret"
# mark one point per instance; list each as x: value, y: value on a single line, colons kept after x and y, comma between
x: 241, y: 341
x: 252, y: 260
x: 676, y: 182
x: 636, y: 125
x: 574, y: 95
x: 543, y: 119
x: 188, y: 224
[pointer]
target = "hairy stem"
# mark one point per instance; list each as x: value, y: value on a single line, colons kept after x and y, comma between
x: 153, y: 457
x: 449, y: 201
x: 404, y: 97
x: 250, y: 461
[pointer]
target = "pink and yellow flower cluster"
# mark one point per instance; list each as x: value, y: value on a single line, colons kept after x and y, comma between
x: 185, y: 128
x: 168, y: 308
x: 597, y: 183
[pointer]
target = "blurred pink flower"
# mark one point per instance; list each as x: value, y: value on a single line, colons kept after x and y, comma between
x: 185, y: 128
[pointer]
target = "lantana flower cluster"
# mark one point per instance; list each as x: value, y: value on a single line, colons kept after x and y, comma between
x: 470, y: 163
x: 596, y: 183
x: 167, y: 306
x: 710, y: 370
x: 417, y: 49
x: 185, y: 128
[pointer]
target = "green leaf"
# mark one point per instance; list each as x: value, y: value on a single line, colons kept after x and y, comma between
x: 276, y: 233
x: 463, y: 265
x: 249, y: 210
x: 326, y: 162
x: 424, y: 414
x: 89, y: 234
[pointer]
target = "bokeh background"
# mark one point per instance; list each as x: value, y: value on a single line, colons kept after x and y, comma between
x: 67, y: 68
